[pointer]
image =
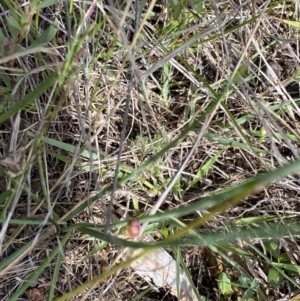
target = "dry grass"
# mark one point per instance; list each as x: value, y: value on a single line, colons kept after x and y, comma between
x: 218, y: 82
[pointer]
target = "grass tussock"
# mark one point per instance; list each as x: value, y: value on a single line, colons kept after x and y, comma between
x: 150, y: 125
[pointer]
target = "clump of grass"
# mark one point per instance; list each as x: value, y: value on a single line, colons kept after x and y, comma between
x: 171, y: 115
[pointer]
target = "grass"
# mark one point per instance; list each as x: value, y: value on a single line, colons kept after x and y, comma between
x: 181, y: 115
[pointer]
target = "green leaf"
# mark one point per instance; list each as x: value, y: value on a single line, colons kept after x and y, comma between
x: 13, y: 256
x: 289, y: 267
x: 177, y: 11
x: 6, y: 79
x: 204, y: 169
x: 30, y: 97
x: 164, y: 231
x: 255, y: 220
x: 14, y: 27
x: 198, y: 6
x: 14, y: 23
x: 296, y: 74
x: 47, y: 3
x: 135, y: 203
x: 224, y: 284
x: 232, y: 143
x: 55, y: 275
x: 6, y: 194
x: 2, y: 36
x: 171, y: 27
x: 248, y: 295
x: 273, y: 248
x: 292, y: 23
x: 67, y: 147
x: 254, y: 286
x: 37, y: 272
x: 275, y: 278
x: 46, y: 36
x: 284, y: 258
x: 236, y: 250
x: 177, y: 187
x: 5, y: 201
x: 244, y: 280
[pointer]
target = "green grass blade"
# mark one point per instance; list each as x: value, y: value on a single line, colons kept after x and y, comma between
x: 39, y: 270
x: 30, y: 97
x: 55, y: 276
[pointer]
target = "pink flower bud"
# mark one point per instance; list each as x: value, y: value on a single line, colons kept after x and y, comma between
x: 133, y: 228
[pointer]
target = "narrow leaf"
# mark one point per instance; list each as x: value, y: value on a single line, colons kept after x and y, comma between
x: 13, y: 23
x: 36, y: 274
x: 47, y: 3
x: 292, y: 23
x: 46, y: 36
x: 30, y: 97
x: 204, y: 169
